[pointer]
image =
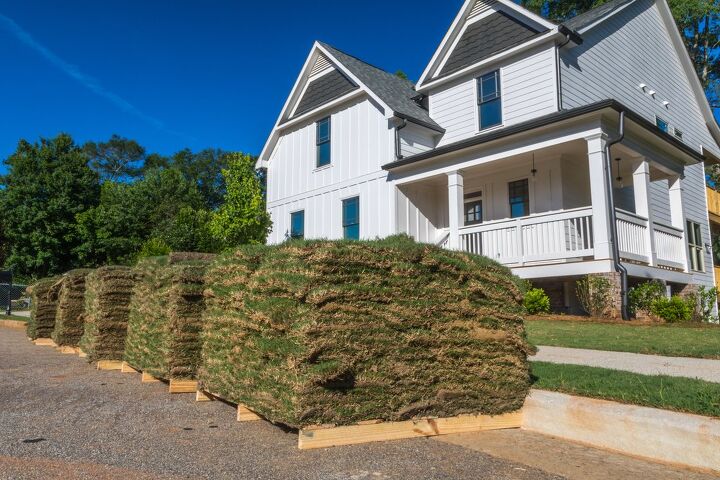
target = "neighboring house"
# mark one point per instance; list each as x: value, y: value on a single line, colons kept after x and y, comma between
x: 501, y: 148
x: 713, y: 200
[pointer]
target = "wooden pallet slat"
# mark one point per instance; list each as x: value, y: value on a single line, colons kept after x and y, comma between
x: 109, y: 365
x: 244, y: 414
x: 126, y: 368
x: 147, y: 378
x: 202, y: 396
x: 183, y: 386
x: 378, y: 432
x: 81, y: 354
x: 45, y: 342
x: 68, y: 350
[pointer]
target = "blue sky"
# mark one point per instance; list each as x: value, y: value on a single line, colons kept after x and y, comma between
x: 175, y: 74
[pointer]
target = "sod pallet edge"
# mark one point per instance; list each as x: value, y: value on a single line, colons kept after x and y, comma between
x: 367, y: 432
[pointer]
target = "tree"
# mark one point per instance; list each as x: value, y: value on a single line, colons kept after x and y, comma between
x: 131, y: 213
x: 47, y: 185
x: 190, y: 231
x: 242, y: 218
x: 204, y: 169
x: 118, y: 159
x: 401, y: 74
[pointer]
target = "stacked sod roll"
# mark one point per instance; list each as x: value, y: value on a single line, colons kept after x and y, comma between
x: 166, y: 316
x: 70, y: 315
x: 321, y: 332
x: 107, y: 300
x: 43, y: 307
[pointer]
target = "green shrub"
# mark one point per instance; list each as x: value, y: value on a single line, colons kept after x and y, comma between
x: 536, y: 301
x: 703, y: 303
x: 642, y: 297
x: 672, y: 310
x: 594, y: 294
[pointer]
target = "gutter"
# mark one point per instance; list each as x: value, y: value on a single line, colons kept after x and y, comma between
x: 619, y: 267
x: 542, y: 122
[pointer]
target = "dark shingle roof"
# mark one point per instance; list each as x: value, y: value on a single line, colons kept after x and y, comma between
x: 581, y: 21
x: 486, y: 37
x: 323, y: 90
x: 396, y: 92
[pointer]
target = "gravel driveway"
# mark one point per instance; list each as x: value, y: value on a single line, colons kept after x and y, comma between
x: 60, y: 418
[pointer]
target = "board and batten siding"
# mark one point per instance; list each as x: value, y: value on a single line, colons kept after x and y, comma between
x: 529, y: 89
x: 361, y: 144
x: 631, y: 48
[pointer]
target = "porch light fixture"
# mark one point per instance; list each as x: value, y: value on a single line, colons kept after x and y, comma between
x: 619, y: 177
x: 534, y: 170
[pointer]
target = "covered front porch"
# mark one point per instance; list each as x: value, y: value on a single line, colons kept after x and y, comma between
x: 544, y: 212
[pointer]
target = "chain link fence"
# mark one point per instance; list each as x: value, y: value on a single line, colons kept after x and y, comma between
x: 12, y: 295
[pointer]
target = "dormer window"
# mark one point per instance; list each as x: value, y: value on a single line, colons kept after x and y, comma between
x: 489, y: 101
x: 322, y: 142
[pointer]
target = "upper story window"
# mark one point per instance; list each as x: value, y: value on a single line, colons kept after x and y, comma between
x: 489, y: 101
x: 322, y: 141
x: 695, y: 247
x: 473, y: 208
x: 519, y: 196
x: 297, y: 225
x: 678, y: 133
x: 351, y: 218
x: 662, y: 124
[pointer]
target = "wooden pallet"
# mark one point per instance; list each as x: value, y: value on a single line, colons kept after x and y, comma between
x: 244, y: 414
x: 109, y: 365
x: 126, y: 368
x: 374, y: 431
x: 68, y: 350
x: 183, y: 386
x: 203, y: 396
x: 81, y: 354
x: 45, y: 342
x: 147, y: 378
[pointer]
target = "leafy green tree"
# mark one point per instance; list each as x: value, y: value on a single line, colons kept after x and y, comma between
x: 47, y: 185
x: 242, y: 219
x: 204, y: 169
x: 118, y: 159
x: 153, y: 247
x: 190, y: 231
x: 131, y: 213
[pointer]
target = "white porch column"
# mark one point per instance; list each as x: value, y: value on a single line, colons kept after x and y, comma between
x: 641, y: 189
x: 599, y: 196
x: 677, y: 213
x: 455, y: 208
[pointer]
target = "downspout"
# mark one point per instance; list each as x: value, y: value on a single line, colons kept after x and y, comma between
x: 398, y: 151
x: 619, y: 267
x: 558, y: 78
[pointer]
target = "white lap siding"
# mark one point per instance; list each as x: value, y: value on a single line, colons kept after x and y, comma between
x: 528, y: 86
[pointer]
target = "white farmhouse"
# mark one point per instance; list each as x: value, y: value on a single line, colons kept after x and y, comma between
x: 557, y: 150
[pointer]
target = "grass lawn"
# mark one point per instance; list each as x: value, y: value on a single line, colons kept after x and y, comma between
x: 702, y: 341
x: 13, y: 317
x: 669, y: 393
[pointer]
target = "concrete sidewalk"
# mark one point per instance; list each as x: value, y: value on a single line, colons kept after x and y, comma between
x: 708, y: 370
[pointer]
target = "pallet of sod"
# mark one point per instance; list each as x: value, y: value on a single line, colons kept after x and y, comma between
x: 107, y: 301
x: 43, y: 307
x: 165, y: 320
x: 70, y: 315
x: 314, y: 333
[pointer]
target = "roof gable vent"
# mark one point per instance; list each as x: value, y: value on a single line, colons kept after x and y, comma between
x: 321, y: 64
x: 480, y: 7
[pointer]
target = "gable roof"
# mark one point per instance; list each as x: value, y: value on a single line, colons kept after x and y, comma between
x: 397, y: 93
x: 326, y: 88
x: 486, y: 37
x: 476, y: 11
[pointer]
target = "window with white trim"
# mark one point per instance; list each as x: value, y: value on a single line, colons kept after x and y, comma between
x: 489, y: 100
x: 662, y: 124
x: 696, y: 255
x: 297, y: 224
x: 322, y: 142
x: 473, y: 208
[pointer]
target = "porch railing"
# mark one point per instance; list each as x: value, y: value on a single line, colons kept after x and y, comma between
x: 536, y: 238
x: 632, y: 231
x: 669, y: 246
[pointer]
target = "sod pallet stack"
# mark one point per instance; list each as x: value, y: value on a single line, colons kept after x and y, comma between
x: 165, y: 320
x: 312, y: 333
x: 44, y: 300
x: 70, y: 315
x: 107, y: 301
